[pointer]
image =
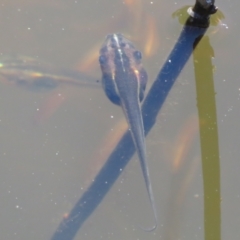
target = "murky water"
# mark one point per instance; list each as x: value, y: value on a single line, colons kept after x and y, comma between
x: 53, y: 142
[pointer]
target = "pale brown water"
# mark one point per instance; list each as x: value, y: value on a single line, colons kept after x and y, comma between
x: 45, y: 165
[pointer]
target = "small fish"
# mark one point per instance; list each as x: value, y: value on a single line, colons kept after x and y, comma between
x: 124, y: 81
x: 33, y: 74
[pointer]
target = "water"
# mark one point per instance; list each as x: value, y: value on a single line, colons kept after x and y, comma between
x: 53, y: 142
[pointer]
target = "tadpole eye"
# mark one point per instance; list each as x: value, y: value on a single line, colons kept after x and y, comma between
x: 137, y: 55
x: 102, y: 59
x: 113, y: 45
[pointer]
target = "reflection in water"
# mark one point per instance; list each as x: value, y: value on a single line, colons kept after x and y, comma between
x: 183, y: 172
x: 208, y: 137
x: 184, y: 142
x: 35, y: 75
x: 202, y: 58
